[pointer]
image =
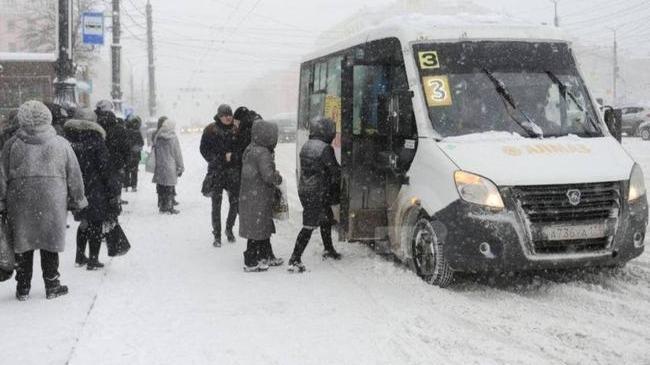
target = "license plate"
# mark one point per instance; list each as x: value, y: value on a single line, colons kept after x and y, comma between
x: 575, y: 232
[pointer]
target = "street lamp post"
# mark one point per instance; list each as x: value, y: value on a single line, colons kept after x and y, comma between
x: 64, y: 85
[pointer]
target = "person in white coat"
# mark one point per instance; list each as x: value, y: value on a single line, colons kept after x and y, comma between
x: 169, y: 165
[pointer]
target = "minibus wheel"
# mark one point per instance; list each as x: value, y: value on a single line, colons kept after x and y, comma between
x: 428, y: 256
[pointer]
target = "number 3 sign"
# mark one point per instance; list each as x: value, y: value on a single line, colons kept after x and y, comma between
x: 436, y: 89
x: 429, y: 60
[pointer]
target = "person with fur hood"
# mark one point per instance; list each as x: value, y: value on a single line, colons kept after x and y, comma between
x: 259, y: 181
x: 40, y: 180
x: 169, y: 165
x: 88, y: 141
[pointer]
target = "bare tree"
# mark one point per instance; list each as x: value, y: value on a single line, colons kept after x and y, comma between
x: 39, y: 30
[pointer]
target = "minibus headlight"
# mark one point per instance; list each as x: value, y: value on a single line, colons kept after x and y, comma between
x: 478, y: 190
x: 637, y: 184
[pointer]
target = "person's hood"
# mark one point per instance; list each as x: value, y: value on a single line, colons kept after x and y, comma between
x: 36, y: 134
x: 265, y: 134
x: 134, y: 123
x: 106, y: 119
x: 80, y: 125
x: 85, y: 114
x: 34, y: 114
x: 167, y: 130
x: 322, y: 129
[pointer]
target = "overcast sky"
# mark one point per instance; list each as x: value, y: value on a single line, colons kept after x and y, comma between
x: 220, y: 45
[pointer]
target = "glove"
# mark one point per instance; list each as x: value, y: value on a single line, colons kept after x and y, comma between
x: 180, y: 173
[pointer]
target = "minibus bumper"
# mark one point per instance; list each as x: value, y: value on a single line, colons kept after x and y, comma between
x: 476, y: 239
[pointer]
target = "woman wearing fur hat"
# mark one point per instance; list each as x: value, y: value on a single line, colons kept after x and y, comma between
x: 169, y: 165
x: 40, y: 180
x: 88, y: 142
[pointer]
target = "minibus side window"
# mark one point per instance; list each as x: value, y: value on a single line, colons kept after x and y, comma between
x: 305, y: 82
x: 371, y: 87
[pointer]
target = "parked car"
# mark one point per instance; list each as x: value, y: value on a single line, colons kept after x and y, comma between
x: 633, y: 117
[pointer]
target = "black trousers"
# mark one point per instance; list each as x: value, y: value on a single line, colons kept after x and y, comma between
x: 91, y: 234
x: 131, y: 174
x: 233, y: 210
x: 303, y: 240
x: 165, y: 197
x: 25, y: 263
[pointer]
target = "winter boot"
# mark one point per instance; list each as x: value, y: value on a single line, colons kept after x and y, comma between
x: 22, y: 291
x: 331, y: 254
x: 296, y: 266
x: 80, y: 260
x: 54, y: 289
x: 230, y: 236
x: 259, y: 267
x: 94, y: 264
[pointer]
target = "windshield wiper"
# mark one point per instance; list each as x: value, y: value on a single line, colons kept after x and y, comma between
x: 529, y: 126
x: 564, y: 91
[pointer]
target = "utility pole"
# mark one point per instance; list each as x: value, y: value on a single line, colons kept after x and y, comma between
x: 116, y: 59
x: 556, y: 20
x: 152, y: 67
x: 64, y: 86
x: 615, y: 70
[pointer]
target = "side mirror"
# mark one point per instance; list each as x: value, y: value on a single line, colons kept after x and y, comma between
x: 613, y: 119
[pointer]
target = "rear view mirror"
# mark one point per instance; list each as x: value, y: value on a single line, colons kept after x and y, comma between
x: 613, y: 119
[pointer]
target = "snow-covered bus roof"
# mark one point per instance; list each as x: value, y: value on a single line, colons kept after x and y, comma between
x: 444, y: 28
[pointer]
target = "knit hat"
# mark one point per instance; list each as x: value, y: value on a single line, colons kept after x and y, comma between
x: 105, y: 106
x: 224, y: 111
x: 34, y: 113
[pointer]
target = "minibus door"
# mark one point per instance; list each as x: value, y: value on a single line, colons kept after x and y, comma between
x: 363, y: 204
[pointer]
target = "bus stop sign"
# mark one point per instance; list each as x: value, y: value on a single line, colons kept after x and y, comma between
x: 93, y: 28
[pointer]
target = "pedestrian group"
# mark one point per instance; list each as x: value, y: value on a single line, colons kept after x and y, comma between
x: 55, y: 160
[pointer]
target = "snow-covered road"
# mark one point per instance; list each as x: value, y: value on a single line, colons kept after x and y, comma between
x: 174, y: 299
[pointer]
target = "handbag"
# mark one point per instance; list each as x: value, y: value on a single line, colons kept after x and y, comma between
x: 7, y: 256
x: 150, y: 164
x: 280, y: 203
x: 116, y: 241
x: 207, y: 188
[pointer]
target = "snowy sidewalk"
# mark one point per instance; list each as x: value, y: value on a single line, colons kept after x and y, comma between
x: 176, y: 299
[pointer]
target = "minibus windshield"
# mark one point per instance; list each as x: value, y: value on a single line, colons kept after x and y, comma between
x: 545, y: 93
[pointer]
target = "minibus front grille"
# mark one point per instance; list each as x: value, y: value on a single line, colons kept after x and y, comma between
x: 571, y: 246
x: 551, y: 204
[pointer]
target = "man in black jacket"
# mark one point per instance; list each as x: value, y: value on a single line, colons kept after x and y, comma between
x: 318, y: 189
x: 220, y: 147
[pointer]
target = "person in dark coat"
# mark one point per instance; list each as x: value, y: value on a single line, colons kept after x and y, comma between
x: 320, y: 179
x: 40, y: 180
x: 259, y: 181
x: 136, y: 142
x: 117, y: 140
x: 88, y: 142
x: 59, y: 116
x: 219, y: 146
x: 169, y: 165
x: 9, y: 127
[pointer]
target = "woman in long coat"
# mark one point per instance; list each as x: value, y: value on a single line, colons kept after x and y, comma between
x: 102, y: 189
x: 40, y: 180
x: 169, y: 165
x: 259, y: 181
